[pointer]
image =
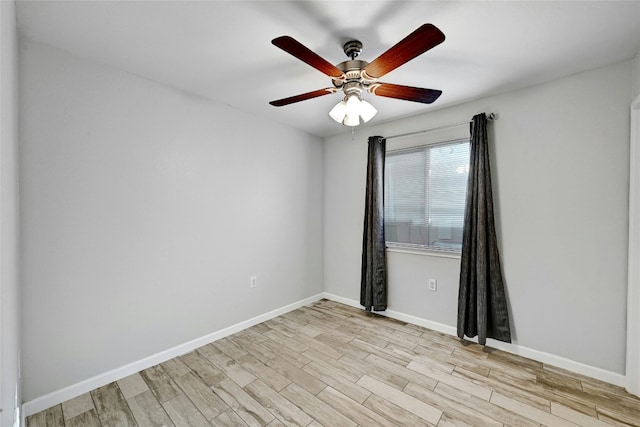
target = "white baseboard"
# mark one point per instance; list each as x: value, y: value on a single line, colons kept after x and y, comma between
x: 41, y: 403
x: 540, y: 356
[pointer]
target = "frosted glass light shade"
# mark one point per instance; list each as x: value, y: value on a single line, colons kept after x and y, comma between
x: 353, y: 105
x: 338, y: 112
x: 351, y: 120
x: 367, y: 111
x: 351, y: 109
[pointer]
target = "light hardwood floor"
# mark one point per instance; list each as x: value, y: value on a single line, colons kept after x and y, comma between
x: 333, y: 365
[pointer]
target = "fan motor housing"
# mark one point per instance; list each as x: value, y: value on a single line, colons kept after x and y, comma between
x: 352, y: 71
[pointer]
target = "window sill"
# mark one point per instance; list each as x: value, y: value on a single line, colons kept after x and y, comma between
x: 423, y: 251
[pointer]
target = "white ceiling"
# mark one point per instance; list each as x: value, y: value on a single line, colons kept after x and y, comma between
x: 222, y: 50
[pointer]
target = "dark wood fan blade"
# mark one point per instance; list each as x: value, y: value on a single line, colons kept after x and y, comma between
x: 416, y: 43
x: 303, y: 53
x: 303, y: 97
x: 408, y: 93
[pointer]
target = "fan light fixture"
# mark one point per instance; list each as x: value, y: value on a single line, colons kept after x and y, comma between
x: 351, y: 109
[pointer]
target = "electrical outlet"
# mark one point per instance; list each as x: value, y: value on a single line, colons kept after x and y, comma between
x: 433, y: 285
x: 253, y: 281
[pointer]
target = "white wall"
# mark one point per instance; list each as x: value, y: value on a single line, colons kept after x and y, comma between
x: 145, y: 212
x: 561, y: 175
x: 10, y: 390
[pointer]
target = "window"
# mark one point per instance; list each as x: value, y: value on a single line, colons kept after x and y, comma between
x: 425, y: 189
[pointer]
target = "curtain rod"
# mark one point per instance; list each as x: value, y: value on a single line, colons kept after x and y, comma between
x: 490, y: 116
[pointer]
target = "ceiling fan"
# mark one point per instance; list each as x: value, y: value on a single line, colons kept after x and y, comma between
x: 354, y: 76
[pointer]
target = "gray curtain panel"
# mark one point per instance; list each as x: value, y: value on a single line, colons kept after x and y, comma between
x: 373, y: 286
x: 482, y: 304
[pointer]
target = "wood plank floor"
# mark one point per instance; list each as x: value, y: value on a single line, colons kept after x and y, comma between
x: 328, y: 364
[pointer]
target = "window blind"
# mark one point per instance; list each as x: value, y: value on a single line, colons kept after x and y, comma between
x: 425, y: 190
